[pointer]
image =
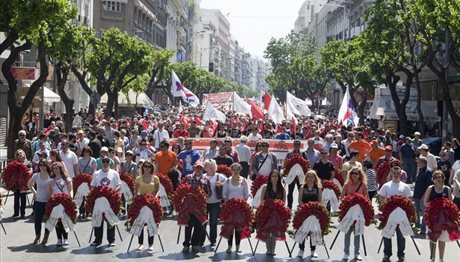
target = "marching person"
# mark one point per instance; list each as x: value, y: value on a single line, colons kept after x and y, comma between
x: 146, y: 184
x: 20, y: 197
x: 196, y: 179
x: 244, y: 155
x: 438, y: 190
x: 355, y: 183
x: 60, y: 182
x: 422, y: 182
x: 235, y: 187
x: 311, y: 190
x: 213, y: 201
x: 263, y: 162
x: 273, y: 190
x: 189, y: 157
x: 41, y: 194
x: 392, y: 188
x: 296, y: 182
x: 105, y: 177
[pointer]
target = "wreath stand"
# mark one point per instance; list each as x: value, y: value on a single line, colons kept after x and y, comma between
x: 159, y: 238
x: 76, y: 237
x: 413, y: 241
x: 27, y: 197
x: 204, y: 229
x: 116, y: 226
x: 220, y: 239
x: 362, y: 238
x: 285, y: 242
x: 3, y: 227
x: 324, y: 244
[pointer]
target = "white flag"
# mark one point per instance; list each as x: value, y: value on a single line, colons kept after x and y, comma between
x: 240, y: 106
x: 347, y: 114
x: 297, y: 106
x: 179, y: 90
x: 274, y: 112
x: 191, y: 98
x: 210, y: 113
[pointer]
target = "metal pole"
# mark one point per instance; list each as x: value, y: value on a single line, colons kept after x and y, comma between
x: 444, y: 107
x: 41, y: 113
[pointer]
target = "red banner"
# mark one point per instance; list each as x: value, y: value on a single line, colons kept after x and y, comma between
x: 23, y: 73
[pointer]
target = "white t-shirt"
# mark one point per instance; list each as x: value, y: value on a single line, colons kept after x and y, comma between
x: 109, y: 178
x: 393, y: 189
x: 266, y: 167
x: 252, y: 137
x: 160, y: 136
x: 70, y: 159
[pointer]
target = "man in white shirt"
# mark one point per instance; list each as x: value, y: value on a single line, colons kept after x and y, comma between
x: 69, y: 158
x: 392, y: 188
x: 430, y: 159
x: 110, y: 178
x: 159, y: 135
x: 244, y: 154
x: 254, y: 135
x: 264, y: 162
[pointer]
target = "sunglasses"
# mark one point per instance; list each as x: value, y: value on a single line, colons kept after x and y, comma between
x: 354, y: 173
x: 264, y: 145
x: 42, y: 165
x: 143, y: 144
x: 436, y: 177
x: 105, y: 161
x: 22, y: 135
x: 323, y: 153
x: 148, y: 166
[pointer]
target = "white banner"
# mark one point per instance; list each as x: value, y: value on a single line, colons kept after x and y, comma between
x: 82, y: 191
x: 58, y: 213
x: 355, y: 213
x: 102, y: 207
x: 310, y: 225
x: 397, y: 217
x: 145, y: 218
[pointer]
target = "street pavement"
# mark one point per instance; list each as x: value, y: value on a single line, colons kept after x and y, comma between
x: 16, y: 246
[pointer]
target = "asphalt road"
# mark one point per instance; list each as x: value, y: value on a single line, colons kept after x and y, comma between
x: 16, y: 246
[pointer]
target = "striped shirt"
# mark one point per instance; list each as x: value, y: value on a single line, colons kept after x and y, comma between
x: 371, y: 180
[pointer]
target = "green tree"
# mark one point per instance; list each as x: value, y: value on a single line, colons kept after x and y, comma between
x: 347, y: 64
x: 26, y: 24
x: 160, y: 65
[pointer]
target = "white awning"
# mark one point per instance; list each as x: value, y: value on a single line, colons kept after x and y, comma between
x: 50, y: 96
x: 133, y: 99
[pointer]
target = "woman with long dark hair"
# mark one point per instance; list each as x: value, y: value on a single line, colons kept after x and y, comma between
x: 273, y: 190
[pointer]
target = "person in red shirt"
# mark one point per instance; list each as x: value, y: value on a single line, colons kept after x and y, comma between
x: 180, y: 132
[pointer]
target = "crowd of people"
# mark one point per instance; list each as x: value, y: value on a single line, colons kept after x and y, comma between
x: 162, y: 142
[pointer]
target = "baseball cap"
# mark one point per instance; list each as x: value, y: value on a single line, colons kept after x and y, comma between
x: 105, y: 159
x: 104, y: 149
x: 199, y: 164
x: 423, y: 147
x: 388, y: 148
x: 129, y: 152
x: 417, y: 134
x: 334, y: 145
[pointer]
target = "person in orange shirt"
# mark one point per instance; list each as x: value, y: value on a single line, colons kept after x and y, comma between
x: 165, y: 159
x: 361, y: 146
x: 376, y: 152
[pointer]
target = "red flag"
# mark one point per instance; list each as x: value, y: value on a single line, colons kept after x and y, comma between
x: 267, y: 99
x: 183, y: 120
x: 293, y: 127
x: 197, y: 120
x: 255, y: 110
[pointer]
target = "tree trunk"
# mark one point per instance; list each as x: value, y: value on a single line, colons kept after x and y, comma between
x: 111, y: 98
x: 117, y: 113
x: 421, y: 121
x: 61, y: 77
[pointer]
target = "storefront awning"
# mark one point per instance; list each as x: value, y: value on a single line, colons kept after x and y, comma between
x: 133, y: 99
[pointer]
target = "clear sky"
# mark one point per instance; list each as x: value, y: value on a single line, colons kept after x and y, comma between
x: 254, y: 22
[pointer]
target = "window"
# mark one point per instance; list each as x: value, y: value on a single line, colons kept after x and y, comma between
x: 113, y: 6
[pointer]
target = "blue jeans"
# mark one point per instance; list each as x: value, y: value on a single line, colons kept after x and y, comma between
x: 419, y: 212
x: 213, y: 212
x: 39, y: 212
x: 357, y: 241
x: 401, y: 242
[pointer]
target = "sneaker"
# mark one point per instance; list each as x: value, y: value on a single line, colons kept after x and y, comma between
x: 358, y: 258
x: 213, y: 244
x: 140, y: 247
x: 66, y: 242
x: 95, y: 244
x: 195, y: 249
x: 185, y: 250
x: 300, y: 254
x: 112, y: 244
x: 229, y: 250
x: 386, y: 259
x: 314, y: 254
x: 150, y: 248
x: 345, y: 257
x: 433, y: 260
x: 59, y: 242
x: 401, y: 259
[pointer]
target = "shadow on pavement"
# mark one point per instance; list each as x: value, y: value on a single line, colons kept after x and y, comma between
x: 135, y: 254
x: 92, y: 250
x: 221, y: 256
x: 179, y: 256
x: 31, y: 248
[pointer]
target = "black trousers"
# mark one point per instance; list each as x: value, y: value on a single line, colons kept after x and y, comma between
x: 291, y: 191
x: 60, y: 231
x: 141, y: 239
x: 197, y: 236
x: 39, y: 212
x: 302, y: 246
x: 19, y: 203
x: 237, y: 235
x: 98, y: 231
x: 244, y: 169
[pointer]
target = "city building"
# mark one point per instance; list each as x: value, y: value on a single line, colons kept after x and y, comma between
x: 177, y: 29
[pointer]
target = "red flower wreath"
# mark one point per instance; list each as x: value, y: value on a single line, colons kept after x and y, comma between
x: 442, y: 214
x: 80, y: 179
x: 312, y: 208
x: 167, y: 184
x: 16, y: 175
x: 257, y: 183
x: 236, y: 214
x: 103, y: 191
x: 151, y: 202
x: 188, y: 201
x: 272, y: 217
x: 126, y: 177
x: 296, y: 159
x: 391, y: 204
x: 224, y: 170
x: 61, y: 199
x: 331, y: 185
x: 339, y: 177
x: 353, y: 199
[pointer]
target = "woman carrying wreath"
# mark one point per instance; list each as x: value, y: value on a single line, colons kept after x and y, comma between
x: 20, y: 197
x: 273, y: 190
x: 235, y: 187
x: 41, y: 194
x: 213, y: 202
x: 146, y: 183
x: 60, y: 182
x: 356, y: 182
x: 311, y: 190
x: 437, y: 190
x: 86, y: 165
